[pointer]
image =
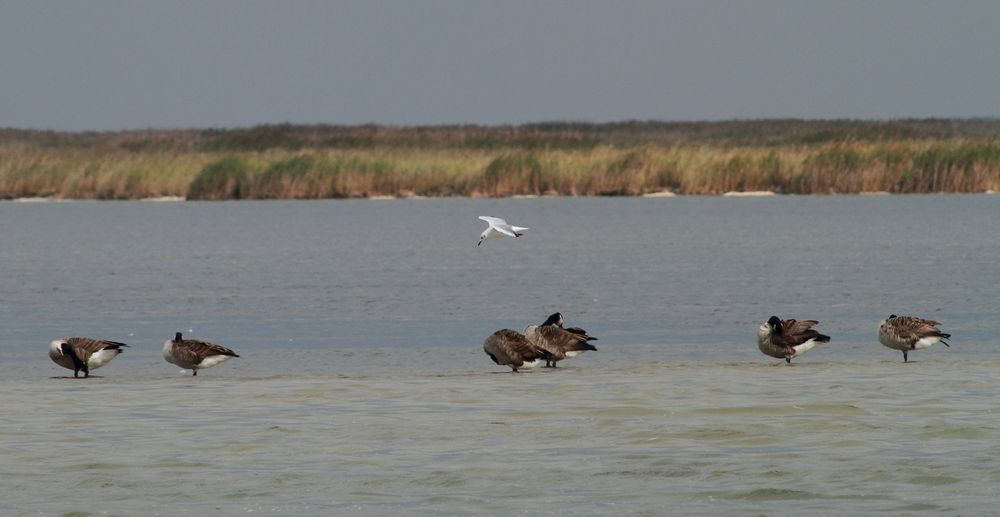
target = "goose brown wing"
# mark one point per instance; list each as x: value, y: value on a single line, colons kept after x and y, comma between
x: 784, y: 341
x: 580, y: 332
x: 84, y: 347
x: 203, y: 349
x: 563, y: 340
x: 514, y: 343
x: 509, y: 347
x: 919, y: 322
x: 912, y: 328
x: 797, y: 326
x: 796, y: 332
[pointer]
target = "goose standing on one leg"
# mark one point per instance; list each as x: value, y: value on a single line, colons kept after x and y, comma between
x: 559, y: 342
x: 786, y: 339
x: 558, y: 320
x: 509, y: 348
x: 574, y: 346
x: 83, y: 353
x: 194, y: 355
x: 905, y: 333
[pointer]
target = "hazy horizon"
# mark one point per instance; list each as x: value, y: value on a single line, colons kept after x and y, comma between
x: 222, y: 64
x: 494, y: 125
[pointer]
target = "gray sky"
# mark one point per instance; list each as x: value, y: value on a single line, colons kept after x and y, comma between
x: 119, y: 64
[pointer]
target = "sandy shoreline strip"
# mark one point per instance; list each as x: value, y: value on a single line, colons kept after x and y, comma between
x: 662, y: 193
x: 749, y: 193
x: 163, y: 199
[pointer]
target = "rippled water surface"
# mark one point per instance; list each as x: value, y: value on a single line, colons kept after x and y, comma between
x: 362, y: 386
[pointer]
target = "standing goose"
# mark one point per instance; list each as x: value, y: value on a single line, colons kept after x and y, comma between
x: 786, y: 339
x: 905, y: 333
x: 510, y: 348
x: 83, y: 353
x: 559, y: 342
x: 194, y: 355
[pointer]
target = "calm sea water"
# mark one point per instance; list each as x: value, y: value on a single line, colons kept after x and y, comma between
x: 362, y: 385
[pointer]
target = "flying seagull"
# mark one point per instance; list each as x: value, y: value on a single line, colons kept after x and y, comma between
x: 905, y: 333
x: 83, y: 353
x: 786, y: 339
x: 499, y: 228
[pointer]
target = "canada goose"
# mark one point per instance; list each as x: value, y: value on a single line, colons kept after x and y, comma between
x: 84, y: 353
x: 558, y: 320
x: 559, y: 342
x: 907, y: 333
x: 499, y: 228
x: 509, y: 348
x: 194, y: 355
x: 788, y: 338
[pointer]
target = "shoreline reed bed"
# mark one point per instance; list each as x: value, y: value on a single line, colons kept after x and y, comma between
x: 180, y: 163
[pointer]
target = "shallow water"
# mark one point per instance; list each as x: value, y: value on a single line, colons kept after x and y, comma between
x: 362, y: 385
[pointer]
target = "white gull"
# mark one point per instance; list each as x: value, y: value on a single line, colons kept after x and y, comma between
x: 499, y: 228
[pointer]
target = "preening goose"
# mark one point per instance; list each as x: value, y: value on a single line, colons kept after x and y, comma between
x: 786, y: 339
x: 83, y: 353
x: 558, y: 320
x: 510, y: 348
x: 559, y: 342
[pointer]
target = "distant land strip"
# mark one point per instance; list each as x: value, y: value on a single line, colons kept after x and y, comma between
x: 631, y: 158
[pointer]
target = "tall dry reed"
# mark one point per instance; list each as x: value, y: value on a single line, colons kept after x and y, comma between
x: 308, y: 162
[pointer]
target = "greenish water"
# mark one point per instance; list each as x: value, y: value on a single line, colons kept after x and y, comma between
x: 362, y: 386
x: 645, y: 438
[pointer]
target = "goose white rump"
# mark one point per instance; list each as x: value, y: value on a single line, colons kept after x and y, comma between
x: 499, y: 228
